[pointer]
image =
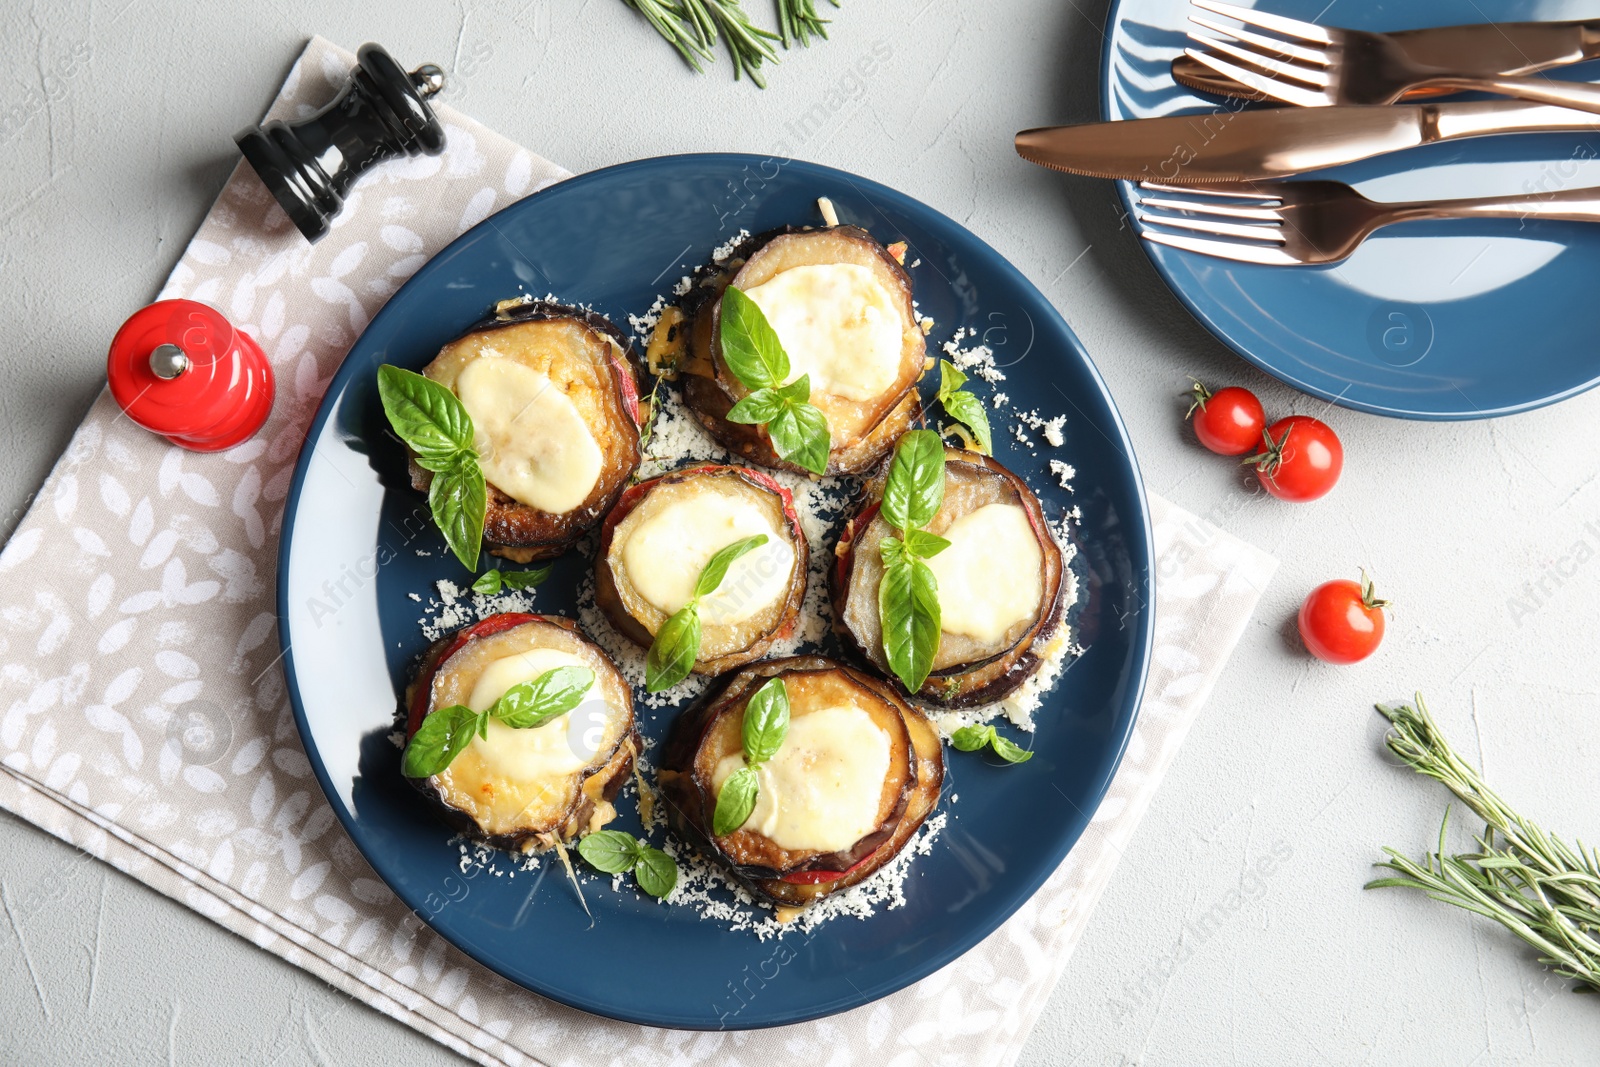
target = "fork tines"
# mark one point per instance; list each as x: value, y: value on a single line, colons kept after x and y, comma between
x: 1305, y: 31
x: 1241, y: 222
x: 1294, y: 70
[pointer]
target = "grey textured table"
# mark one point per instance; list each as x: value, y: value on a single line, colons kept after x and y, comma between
x: 1192, y: 957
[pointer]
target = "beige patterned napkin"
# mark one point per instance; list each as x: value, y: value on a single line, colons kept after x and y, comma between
x: 145, y: 717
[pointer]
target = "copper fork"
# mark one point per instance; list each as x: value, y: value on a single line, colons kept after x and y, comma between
x: 1501, y: 48
x: 1316, y: 66
x: 1298, y: 224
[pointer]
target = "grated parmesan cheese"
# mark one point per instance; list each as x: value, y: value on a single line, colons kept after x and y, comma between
x: 1051, y: 428
x: 975, y: 360
x: 709, y: 889
x: 721, y: 253
x: 456, y: 607
x: 643, y: 325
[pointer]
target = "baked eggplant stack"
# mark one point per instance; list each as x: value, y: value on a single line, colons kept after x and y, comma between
x: 840, y: 304
x: 554, y: 399
x: 843, y: 771
x: 663, y: 532
x: 535, y: 731
x: 1000, y: 582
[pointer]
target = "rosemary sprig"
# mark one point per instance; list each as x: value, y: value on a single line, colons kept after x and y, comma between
x: 1531, y: 882
x: 748, y: 45
x: 668, y: 19
x: 798, y: 20
x: 694, y: 27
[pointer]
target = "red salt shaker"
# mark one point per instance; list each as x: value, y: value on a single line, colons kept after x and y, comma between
x: 180, y: 369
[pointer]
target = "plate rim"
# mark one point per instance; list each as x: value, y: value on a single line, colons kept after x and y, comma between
x: 1215, y: 328
x: 1142, y: 554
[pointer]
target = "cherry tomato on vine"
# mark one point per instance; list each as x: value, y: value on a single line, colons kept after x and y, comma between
x: 1342, y: 621
x: 1301, y: 459
x: 1228, y: 422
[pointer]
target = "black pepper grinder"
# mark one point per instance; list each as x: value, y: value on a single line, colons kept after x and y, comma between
x: 381, y: 113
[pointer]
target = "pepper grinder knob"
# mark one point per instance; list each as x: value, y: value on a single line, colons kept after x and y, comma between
x: 381, y: 113
x: 168, y: 361
x: 180, y: 369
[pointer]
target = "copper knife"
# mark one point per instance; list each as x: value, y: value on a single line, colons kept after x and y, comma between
x: 1255, y: 144
x: 1487, y: 49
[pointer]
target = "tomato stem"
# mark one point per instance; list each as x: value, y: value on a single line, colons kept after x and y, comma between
x: 1198, y: 396
x: 1369, y: 596
x: 1270, y: 459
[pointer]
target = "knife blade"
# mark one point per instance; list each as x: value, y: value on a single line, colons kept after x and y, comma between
x: 1487, y: 49
x: 1251, y: 145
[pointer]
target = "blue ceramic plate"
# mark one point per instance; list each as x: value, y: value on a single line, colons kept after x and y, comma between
x: 351, y: 635
x: 1433, y: 320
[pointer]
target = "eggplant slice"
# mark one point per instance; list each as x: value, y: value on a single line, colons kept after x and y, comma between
x: 858, y: 772
x: 526, y: 789
x: 554, y: 397
x: 661, y: 534
x: 1000, y: 583
x: 861, y: 380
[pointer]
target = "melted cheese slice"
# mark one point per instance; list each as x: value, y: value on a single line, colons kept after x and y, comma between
x: 823, y: 788
x: 546, y: 751
x: 665, y: 555
x: 532, y: 442
x: 990, y: 578
x: 838, y: 324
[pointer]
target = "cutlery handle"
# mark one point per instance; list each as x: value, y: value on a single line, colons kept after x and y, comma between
x: 1573, y: 205
x: 1479, y: 118
x: 1580, y: 96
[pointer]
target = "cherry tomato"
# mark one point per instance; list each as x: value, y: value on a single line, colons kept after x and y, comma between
x: 1301, y: 460
x: 1342, y: 621
x: 1228, y: 422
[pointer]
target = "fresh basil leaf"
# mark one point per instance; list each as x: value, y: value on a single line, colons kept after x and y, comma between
x: 972, y: 737
x: 672, y: 653
x: 980, y: 735
x: 439, y: 461
x: 459, y: 498
x: 924, y: 545
x: 655, y: 871
x: 908, y: 607
x: 438, y: 741
x: 529, y: 705
x: 800, y: 435
x: 1008, y: 750
x: 735, y: 802
x: 766, y: 722
x: 493, y: 581
x: 611, y: 851
x: 950, y: 379
x: 798, y: 390
x: 893, y: 551
x: 750, y: 346
x: 968, y: 410
x: 761, y: 406
x: 517, y: 580
x: 914, y: 488
x: 799, y: 430
x: 427, y: 417
x: 716, y: 568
